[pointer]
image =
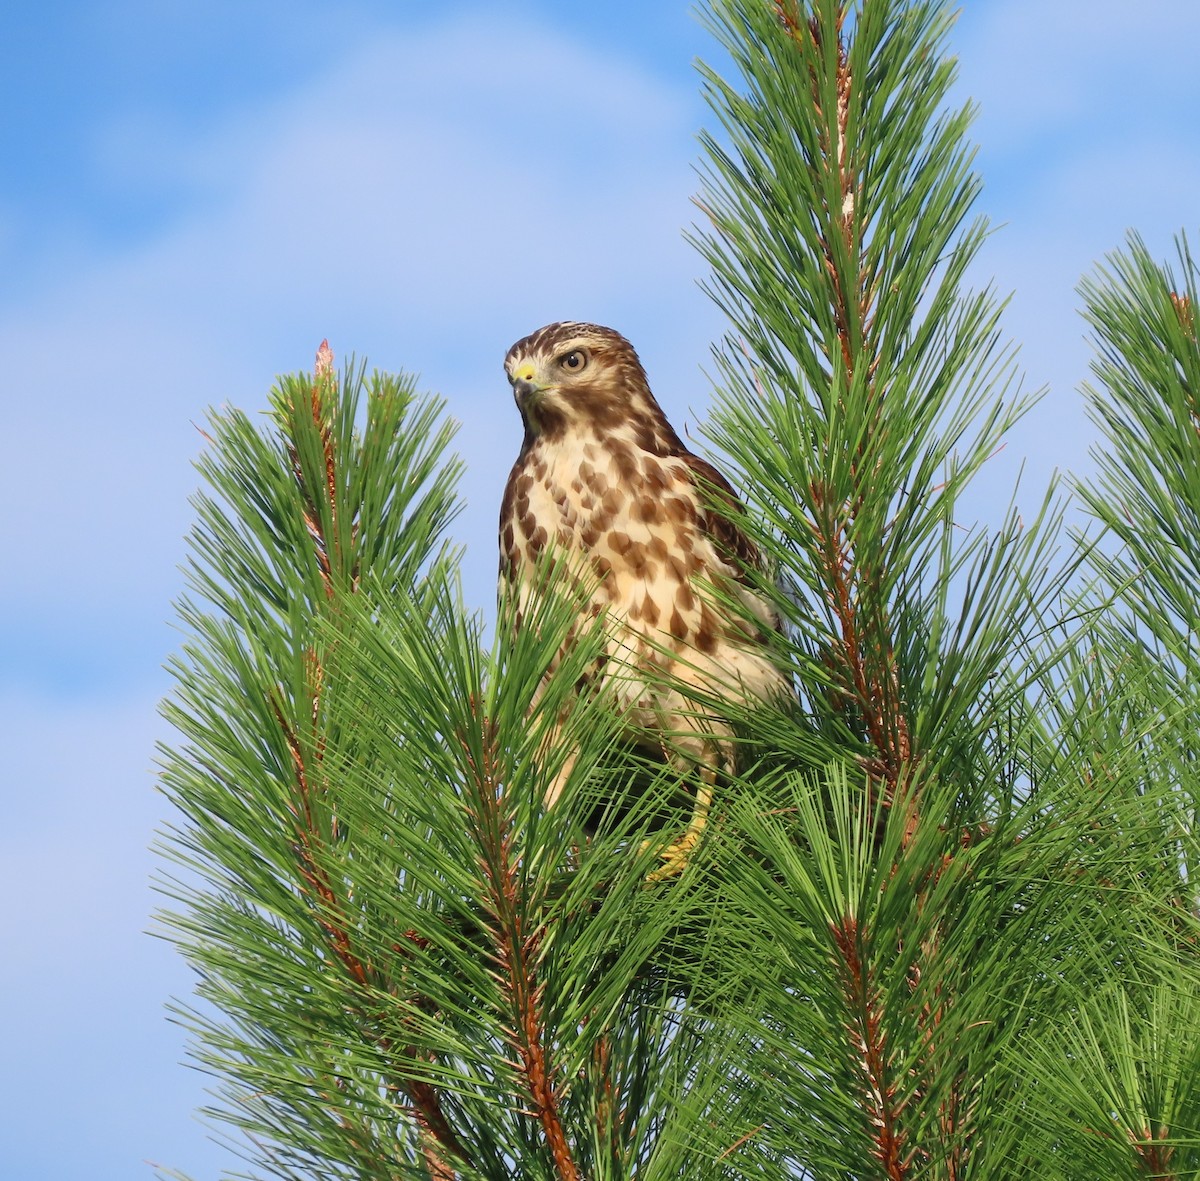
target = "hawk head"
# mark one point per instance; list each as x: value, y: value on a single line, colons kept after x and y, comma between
x: 571, y: 376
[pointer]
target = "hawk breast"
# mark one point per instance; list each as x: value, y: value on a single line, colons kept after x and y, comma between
x: 635, y: 522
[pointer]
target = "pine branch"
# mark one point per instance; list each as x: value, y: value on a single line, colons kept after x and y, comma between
x: 869, y: 1040
x: 281, y: 558
x: 516, y: 941
x: 338, y: 564
x: 835, y: 254
x: 864, y: 389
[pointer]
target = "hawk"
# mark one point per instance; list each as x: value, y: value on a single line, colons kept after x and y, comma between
x: 603, y: 480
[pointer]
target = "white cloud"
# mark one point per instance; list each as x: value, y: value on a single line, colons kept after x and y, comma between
x: 426, y: 200
x: 448, y: 173
x: 431, y: 196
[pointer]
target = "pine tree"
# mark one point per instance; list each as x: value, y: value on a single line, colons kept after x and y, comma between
x: 941, y: 924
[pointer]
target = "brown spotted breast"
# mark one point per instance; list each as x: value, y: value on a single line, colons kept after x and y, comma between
x: 634, y: 524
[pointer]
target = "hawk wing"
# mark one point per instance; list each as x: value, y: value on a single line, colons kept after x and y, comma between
x: 720, y: 513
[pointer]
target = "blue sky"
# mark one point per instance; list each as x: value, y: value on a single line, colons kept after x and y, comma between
x: 195, y: 194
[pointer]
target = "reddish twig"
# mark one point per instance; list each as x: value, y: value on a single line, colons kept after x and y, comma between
x: 869, y: 1042
x: 740, y: 1141
x: 438, y: 1141
x: 326, y: 548
x: 1155, y: 1153
x: 517, y: 945
x: 1183, y: 309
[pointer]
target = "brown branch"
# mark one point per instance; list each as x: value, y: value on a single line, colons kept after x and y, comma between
x: 849, y: 307
x: 323, y: 365
x: 437, y: 1140
x: 951, y: 1113
x: 867, y: 655
x: 868, y: 1039
x: 321, y: 419
x: 323, y: 376
x: 517, y: 946
x: 1155, y: 1153
x: 740, y: 1141
x: 607, y: 1116
x: 789, y: 16
x: 436, y: 1135
x: 328, y: 913
x: 863, y: 657
x: 431, y: 1148
x: 870, y: 679
x: 1183, y: 309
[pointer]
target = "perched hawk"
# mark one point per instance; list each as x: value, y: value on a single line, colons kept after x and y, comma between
x: 604, y: 480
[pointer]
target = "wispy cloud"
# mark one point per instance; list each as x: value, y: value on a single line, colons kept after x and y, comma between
x: 425, y: 200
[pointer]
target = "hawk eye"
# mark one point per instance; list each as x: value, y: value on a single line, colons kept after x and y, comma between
x: 574, y: 361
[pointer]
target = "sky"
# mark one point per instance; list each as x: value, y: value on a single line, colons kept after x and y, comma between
x: 194, y: 195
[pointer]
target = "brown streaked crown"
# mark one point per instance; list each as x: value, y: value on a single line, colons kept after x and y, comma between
x: 553, y: 339
x: 610, y: 395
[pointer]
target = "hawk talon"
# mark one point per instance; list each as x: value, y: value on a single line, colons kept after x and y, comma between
x: 675, y: 855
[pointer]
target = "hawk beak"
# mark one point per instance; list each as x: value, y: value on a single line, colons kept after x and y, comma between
x: 525, y: 390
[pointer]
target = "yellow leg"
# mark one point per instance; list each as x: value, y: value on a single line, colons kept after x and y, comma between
x: 675, y: 855
x: 697, y: 756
